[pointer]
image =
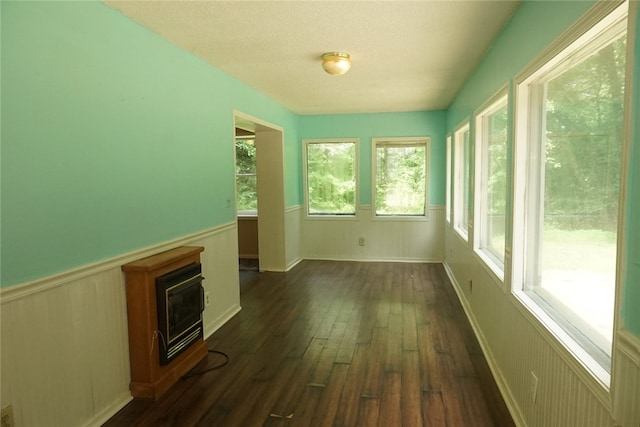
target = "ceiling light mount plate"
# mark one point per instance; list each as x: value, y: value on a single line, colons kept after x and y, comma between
x: 336, y: 63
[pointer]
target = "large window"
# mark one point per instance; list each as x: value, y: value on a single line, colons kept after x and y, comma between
x: 491, y: 183
x: 400, y: 176
x: 330, y: 176
x: 461, y: 180
x: 568, y: 156
x: 246, y: 181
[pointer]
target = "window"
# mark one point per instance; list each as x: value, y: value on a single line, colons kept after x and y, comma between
x: 330, y: 172
x: 400, y: 176
x: 491, y: 183
x: 567, y: 185
x: 246, y: 181
x: 448, y: 181
x: 461, y: 178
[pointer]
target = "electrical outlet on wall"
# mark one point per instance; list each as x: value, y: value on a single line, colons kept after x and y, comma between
x: 361, y: 241
x: 6, y: 417
x: 207, y: 301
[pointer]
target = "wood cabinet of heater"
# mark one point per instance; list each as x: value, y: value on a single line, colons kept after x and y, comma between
x: 149, y: 378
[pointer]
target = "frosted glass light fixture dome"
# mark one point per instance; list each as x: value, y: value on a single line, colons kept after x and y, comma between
x: 336, y: 63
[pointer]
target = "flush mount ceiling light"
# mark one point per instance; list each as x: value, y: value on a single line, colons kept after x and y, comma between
x: 336, y: 63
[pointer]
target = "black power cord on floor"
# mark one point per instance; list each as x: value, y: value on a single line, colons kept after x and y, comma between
x: 204, y: 371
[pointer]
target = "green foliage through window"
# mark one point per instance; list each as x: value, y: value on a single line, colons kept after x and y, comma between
x: 246, y: 180
x: 567, y: 193
x: 491, y: 180
x: 401, y: 178
x: 583, y: 142
x: 331, y: 179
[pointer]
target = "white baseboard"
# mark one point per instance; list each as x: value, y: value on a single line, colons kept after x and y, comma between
x: 106, y: 414
x: 211, y: 327
x: 388, y: 259
x: 509, y: 400
x: 294, y: 263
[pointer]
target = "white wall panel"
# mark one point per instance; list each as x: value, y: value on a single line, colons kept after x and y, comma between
x: 384, y: 239
x: 627, y: 380
x: 292, y: 229
x: 65, y: 353
x: 64, y: 341
x: 516, y: 344
x: 220, y: 270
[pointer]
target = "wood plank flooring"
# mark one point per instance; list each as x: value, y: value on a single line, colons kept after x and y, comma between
x: 338, y: 344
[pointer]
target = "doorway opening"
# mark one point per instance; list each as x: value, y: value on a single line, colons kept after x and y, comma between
x: 247, y: 205
x: 259, y: 160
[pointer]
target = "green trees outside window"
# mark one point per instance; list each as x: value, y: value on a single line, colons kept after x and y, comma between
x: 331, y: 177
x: 491, y: 182
x: 246, y: 181
x: 582, y: 152
x: 401, y: 178
x: 583, y: 143
x: 566, y: 213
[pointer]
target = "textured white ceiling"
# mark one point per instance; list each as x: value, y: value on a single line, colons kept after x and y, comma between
x: 407, y: 55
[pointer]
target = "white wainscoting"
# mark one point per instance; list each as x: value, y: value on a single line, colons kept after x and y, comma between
x: 64, y: 349
x: 292, y: 230
x: 515, y: 345
x: 385, y: 239
x: 627, y: 380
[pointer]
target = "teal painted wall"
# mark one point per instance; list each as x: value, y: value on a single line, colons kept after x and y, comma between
x: 519, y: 43
x: 367, y: 126
x: 534, y: 26
x: 113, y: 139
x: 631, y: 290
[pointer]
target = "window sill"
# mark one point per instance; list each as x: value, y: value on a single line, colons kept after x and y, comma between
x: 586, y: 367
x: 247, y: 214
x: 462, y: 234
x: 401, y: 218
x: 331, y: 217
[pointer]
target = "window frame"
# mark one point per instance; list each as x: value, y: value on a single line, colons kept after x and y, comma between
x: 481, y: 156
x: 591, y: 29
x: 448, y: 171
x: 356, y: 169
x: 399, y: 142
x: 462, y: 225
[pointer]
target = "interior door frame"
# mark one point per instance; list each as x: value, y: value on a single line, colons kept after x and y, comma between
x: 269, y: 141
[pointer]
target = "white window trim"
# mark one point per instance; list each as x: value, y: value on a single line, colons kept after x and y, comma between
x: 458, y: 193
x: 592, y: 23
x: 448, y: 171
x: 495, y: 103
x: 398, y: 141
x: 331, y: 217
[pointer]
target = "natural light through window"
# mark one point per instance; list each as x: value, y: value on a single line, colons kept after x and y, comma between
x: 568, y: 161
x: 330, y: 176
x: 400, y: 176
x: 461, y: 180
x: 246, y: 181
x: 448, y: 181
x: 491, y: 183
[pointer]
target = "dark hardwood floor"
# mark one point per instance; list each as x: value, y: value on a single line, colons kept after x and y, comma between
x: 338, y: 344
